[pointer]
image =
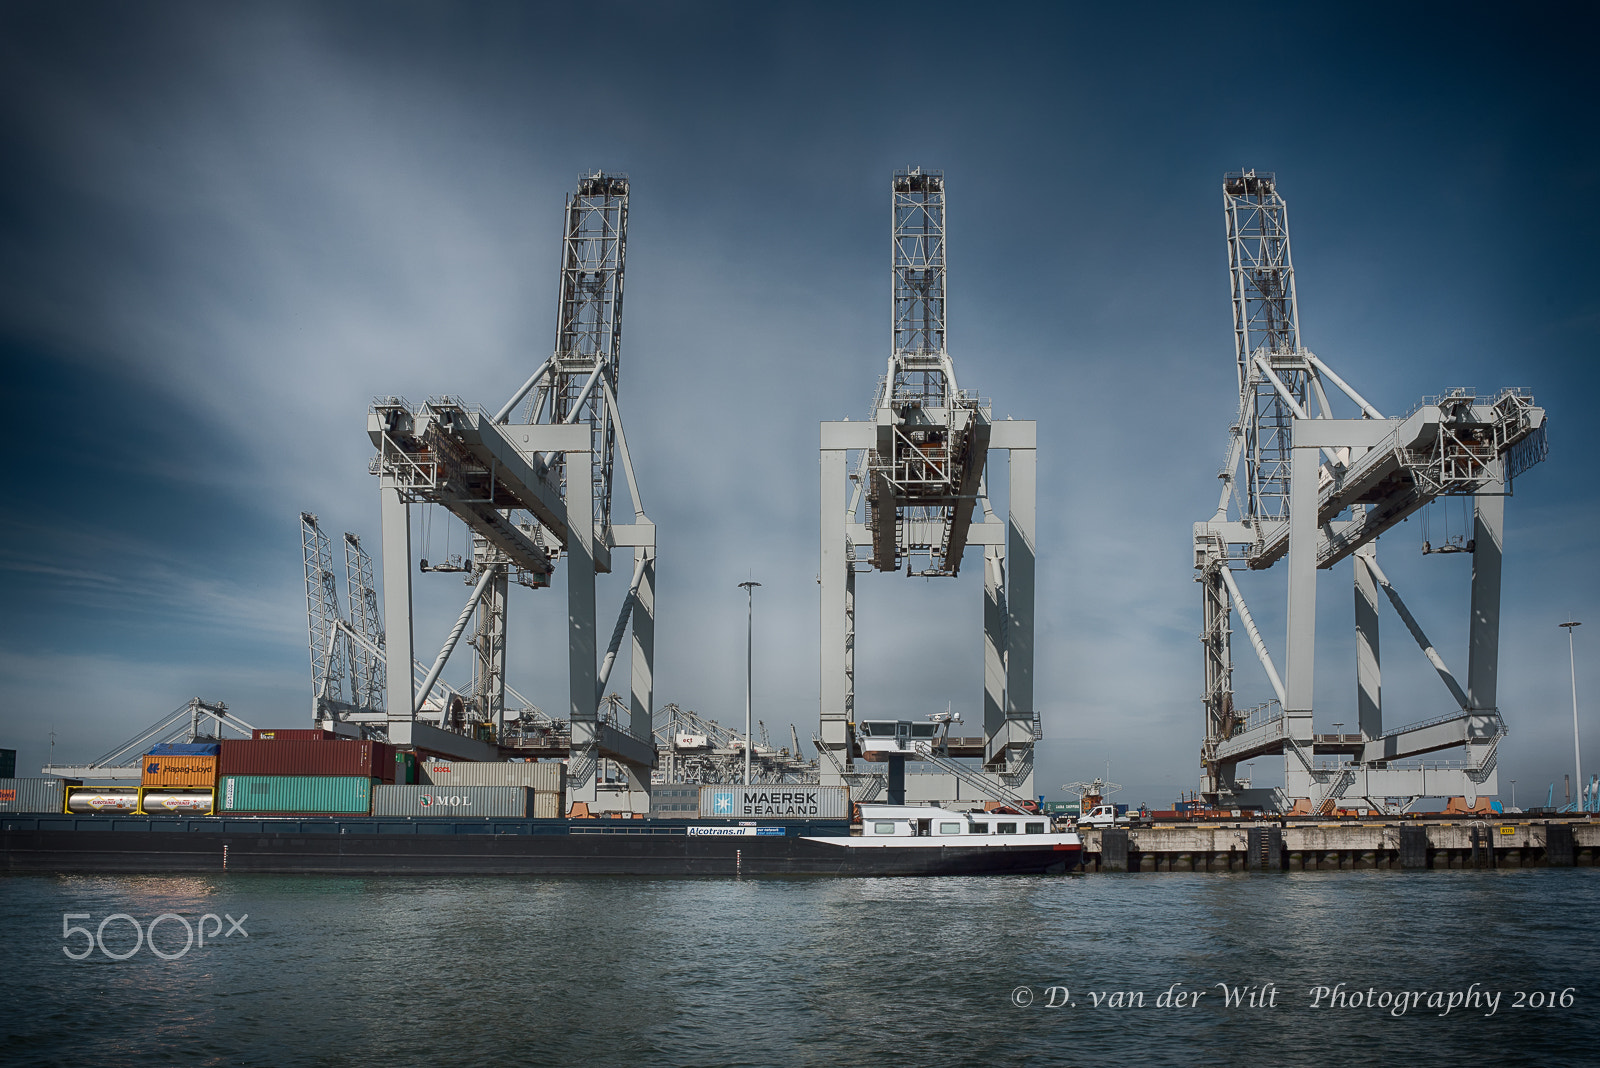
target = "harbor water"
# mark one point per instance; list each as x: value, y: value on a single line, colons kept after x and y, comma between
x: 1421, y: 968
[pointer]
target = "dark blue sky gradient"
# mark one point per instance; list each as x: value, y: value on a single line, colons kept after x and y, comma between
x: 224, y: 229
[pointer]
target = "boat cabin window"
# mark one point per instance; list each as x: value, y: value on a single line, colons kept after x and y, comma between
x: 923, y: 730
x: 883, y: 828
x: 980, y: 828
x: 1005, y: 828
x: 949, y: 828
x: 1035, y: 828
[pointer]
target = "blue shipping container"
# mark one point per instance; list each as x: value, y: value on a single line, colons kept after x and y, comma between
x: 186, y: 749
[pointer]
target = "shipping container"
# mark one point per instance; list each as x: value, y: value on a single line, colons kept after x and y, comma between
x: 547, y: 805
x: 546, y: 775
x: 405, y: 769
x: 32, y: 795
x: 785, y: 802
x: 303, y: 794
x: 293, y: 734
x: 510, y: 801
x: 344, y: 757
x: 164, y: 801
x: 675, y: 801
x: 186, y: 749
x: 97, y: 799
x: 161, y: 770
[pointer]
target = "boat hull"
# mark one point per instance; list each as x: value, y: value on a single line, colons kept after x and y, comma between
x: 332, y: 845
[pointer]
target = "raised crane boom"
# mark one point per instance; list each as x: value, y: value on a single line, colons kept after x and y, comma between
x: 589, y: 320
x: 932, y: 440
x: 1266, y: 338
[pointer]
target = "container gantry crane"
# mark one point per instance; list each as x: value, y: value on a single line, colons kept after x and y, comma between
x: 1310, y: 488
x: 920, y: 472
x: 534, y: 493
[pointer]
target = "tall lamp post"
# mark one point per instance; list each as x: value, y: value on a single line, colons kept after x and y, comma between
x: 749, y: 589
x: 1577, y: 754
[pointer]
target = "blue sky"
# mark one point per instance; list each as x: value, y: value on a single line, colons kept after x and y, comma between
x: 224, y: 229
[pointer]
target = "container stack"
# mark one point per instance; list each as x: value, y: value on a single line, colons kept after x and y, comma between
x: 539, y: 785
x: 305, y: 773
x: 301, y: 772
x: 179, y: 778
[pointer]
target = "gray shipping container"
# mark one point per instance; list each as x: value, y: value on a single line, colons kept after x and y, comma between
x: 507, y: 801
x: 32, y: 795
x: 774, y: 802
x: 675, y: 801
x: 547, y: 775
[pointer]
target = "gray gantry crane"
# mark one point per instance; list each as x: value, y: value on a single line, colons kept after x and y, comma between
x: 534, y: 493
x: 1308, y: 487
x: 919, y: 469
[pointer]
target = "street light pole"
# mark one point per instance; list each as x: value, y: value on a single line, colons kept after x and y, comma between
x: 749, y: 589
x: 1572, y: 665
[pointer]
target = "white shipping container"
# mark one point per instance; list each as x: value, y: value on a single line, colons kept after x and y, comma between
x: 775, y: 802
x: 547, y: 805
x: 546, y: 775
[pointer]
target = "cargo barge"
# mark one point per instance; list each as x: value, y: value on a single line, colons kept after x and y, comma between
x: 890, y: 840
x: 289, y: 802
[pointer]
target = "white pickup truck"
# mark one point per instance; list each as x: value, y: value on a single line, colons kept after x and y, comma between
x: 1101, y: 816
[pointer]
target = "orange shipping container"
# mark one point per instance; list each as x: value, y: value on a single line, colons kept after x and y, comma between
x: 164, y: 770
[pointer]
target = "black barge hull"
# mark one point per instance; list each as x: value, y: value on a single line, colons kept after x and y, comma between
x: 345, y: 845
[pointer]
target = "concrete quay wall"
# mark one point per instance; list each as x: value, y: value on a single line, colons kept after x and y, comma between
x: 1327, y: 845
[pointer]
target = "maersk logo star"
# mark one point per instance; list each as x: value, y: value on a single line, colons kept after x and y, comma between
x: 722, y: 803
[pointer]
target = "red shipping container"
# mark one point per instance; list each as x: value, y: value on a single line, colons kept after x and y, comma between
x: 293, y: 734
x: 278, y: 757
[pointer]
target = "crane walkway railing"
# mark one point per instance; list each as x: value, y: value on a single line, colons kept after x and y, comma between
x: 975, y: 779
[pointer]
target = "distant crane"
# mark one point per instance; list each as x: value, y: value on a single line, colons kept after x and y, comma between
x: 333, y: 663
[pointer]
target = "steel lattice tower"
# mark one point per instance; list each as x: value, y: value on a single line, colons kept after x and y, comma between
x: 370, y: 672
x: 919, y: 366
x: 328, y: 644
x: 1266, y: 329
x: 589, y: 321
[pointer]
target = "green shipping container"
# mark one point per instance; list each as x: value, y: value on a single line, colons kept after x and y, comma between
x: 304, y: 794
x: 405, y: 769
